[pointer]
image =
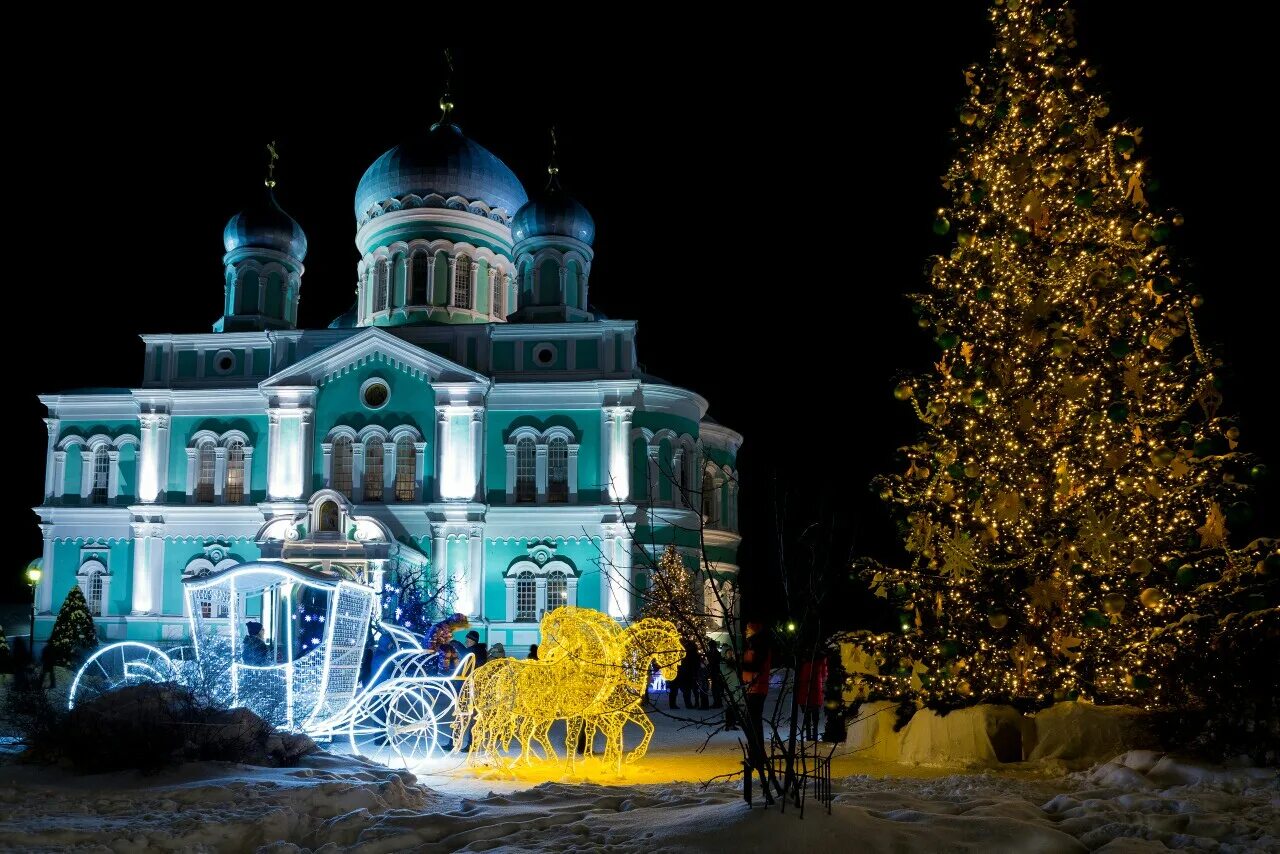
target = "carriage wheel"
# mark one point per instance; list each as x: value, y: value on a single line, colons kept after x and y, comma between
x: 400, y: 724
x: 117, y: 666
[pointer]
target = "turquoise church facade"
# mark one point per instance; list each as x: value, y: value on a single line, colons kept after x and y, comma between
x: 471, y: 415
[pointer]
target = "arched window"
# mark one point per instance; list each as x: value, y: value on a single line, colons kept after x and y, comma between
x: 419, y: 277
x: 557, y: 590
x: 708, y: 498
x: 526, y: 471
x: 95, y: 594
x: 558, y: 471
x: 204, y: 474
x: 405, y: 460
x: 329, y: 517
x: 233, y: 493
x: 495, y: 305
x: 341, y: 479
x: 101, y: 474
x: 526, y: 597
x: 462, y: 282
x: 380, y: 286
x: 373, y: 469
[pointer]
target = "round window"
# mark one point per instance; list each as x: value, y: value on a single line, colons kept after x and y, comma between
x: 224, y: 362
x: 375, y: 393
x: 544, y: 354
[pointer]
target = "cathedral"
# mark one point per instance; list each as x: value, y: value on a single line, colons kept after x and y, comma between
x: 471, y: 419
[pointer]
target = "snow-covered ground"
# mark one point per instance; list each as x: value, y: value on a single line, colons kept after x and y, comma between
x: 1143, y: 801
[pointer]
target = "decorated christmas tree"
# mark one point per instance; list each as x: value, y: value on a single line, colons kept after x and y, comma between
x: 73, y: 631
x: 1076, y: 486
x: 670, y: 594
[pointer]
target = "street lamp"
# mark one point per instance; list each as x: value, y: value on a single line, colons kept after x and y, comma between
x: 33, y: 578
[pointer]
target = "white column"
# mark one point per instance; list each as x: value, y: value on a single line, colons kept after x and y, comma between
x: 51, y: 428
x: 620, y: 603
x: 608, y: 566
x: 442, y: 429
x: 289, y: 460
x: 192, y: 465
x: 305, y: 426
x: 475, y: 572
x: 419, y: 468
x: 572, y: 599
x: 113, y: 475
x: 511, y: 599
x: 619, y: 471
x: 573, y: 474
x: 275, y: 456
x: 148, y: 482
x: 248, y: 474
x: 219, y: 473
x: 86, y: 473
x: 388, y: 471
x: 143, y: 587
x: 540, y: 601
x: 540, y: 469
x: 326, y: 450
x: 511, y: 473
x: 449, y: 284
x: 159, y: 465
x: 477, y: 451
x: 105, y: 602
x: 439, y: 555
x: 44, y: 593
x: 59, y: 473
x: 652, y: 493
x: 357, y: 472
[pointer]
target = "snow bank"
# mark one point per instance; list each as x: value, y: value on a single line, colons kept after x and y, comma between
x: 1080, y: 734
x: 871, y: 733
x: 980, y: 735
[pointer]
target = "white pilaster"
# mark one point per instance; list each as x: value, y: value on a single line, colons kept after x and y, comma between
x: 86, y: 473
x: 357, y: 472
x: 477, y: 452
x: 419, y: 468
x: 620, y: 603
x: 275, y: 457
x: 193, y: 463
x: 540, y: 606
x: 540, y: 472
x: 475, y: 572
x: 59, y: 473
x: 442, y: 430
x: 44, y: 593
x: 388, y: 471
x: 219, y: 473
x: 511, y: 473
x: 651, y: 494
x: 113, y: 475
x: 573, y: 473
x: 510, y: 614
x: 248, y: 475
x: 51, y: 429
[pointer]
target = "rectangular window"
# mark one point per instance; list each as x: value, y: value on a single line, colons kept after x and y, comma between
x: 558, y: 471
x: 373, y: 470
x: 526, y: 598
x: 234, y: 492
x: 95, y: 594
x: 340, y: 480
x: 405, y: 464
x: 101, y: 474
x: 526, y: 472
x: 204, y: 482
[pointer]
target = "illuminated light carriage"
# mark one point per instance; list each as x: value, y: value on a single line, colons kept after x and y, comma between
x: 314, y: 595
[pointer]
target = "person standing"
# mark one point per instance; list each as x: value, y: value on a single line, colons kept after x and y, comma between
x: 686, y: 676
x: 756, y: 663
x: 533, y: 652
x: 809, y: 691
x: 715, y: 675
x: 476, y: 649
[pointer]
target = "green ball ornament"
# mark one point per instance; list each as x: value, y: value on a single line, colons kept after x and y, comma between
x: 1141, y: 682
x: 977, y: 194
x: 998, y: 618
x: 1239, y: 514
x: 947, y: 340
x: 1113, y: 604
x: 1163, y: 456
x: 1084, y: 199
x: 1119, y: 349
x: 1063, y: 348
x: 1118, y: 412
x: 949, y: 649
x: 978, y: 398
x: 1269, y: 567
x: 1125, y: 144
x: 1153, y: 185
x: 1203, y: 448
x: 1095, y: 619
x: 1161, y: 285
x: 955, y: 471
x: 1161, y: 233
x: 1127, y: 274
x: 941, y: 225
x: 1259, y: 473
x: 1185, y: 576
x: 1186, y: 428
x: 1020, y: 237
x: 983, y: 294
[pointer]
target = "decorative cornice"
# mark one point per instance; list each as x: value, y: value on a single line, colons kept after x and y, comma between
x: 720, y: 436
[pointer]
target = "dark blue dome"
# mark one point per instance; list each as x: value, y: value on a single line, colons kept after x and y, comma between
x: 553, y: 213
x: 346, y: 320
x: 441, y: 161
x: 265, y: 225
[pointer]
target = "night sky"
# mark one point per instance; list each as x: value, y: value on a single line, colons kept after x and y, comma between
x: 761, y: 209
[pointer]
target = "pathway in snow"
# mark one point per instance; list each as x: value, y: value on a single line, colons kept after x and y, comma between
x: 1142, y: 802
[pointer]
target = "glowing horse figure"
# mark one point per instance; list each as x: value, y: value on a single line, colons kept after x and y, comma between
x: 645, y: 641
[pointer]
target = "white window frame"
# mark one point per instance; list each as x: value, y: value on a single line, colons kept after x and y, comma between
x: 541, y: 574
x: 541, y: 446
x: 221, y: 445
x: 94, y: 570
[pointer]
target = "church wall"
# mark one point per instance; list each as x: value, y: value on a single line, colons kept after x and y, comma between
x: 585, y: 426
x: 184, y: 427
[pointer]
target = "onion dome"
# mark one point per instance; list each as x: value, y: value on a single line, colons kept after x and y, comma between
x: 349, y: 319
x: 553, y: 213
x: 442, y: 162
x: 265, y: 225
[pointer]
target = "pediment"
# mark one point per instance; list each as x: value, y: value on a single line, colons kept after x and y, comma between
x: 371, y: 345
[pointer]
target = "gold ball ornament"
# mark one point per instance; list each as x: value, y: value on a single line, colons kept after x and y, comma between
x: 1141, y: 231
x: 904, y: 391
x: 1063, y: 348
x: 1152, y: 597
x: 1050, y: 176
x: 1141, y: 567
x: 937, y: 406
x: 972, y: 470
x: 963, y: 688
x: 1197, y: 301
x: 1055, y: 263
x: 1039, y: 661
x: 1234, y: 434
x: 1179, y: 219
x: 946, y: 493
x: 1113, y: 604
x: 968, y: 117
x: 998, y: 619
x: 924, y: 323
